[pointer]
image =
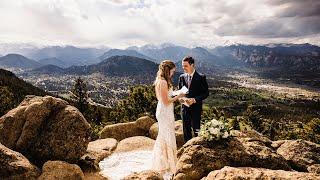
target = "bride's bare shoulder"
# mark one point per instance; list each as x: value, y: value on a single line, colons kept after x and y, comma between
x: 161, y: 83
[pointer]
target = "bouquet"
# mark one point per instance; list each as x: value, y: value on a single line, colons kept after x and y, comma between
x: 214, y: 130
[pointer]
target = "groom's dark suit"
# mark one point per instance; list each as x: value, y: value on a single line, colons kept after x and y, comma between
x: 191, y: 116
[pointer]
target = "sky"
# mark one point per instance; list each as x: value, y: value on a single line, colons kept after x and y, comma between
x: 123, y: 23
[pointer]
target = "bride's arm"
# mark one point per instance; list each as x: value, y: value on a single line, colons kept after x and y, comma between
x: 164, y: 93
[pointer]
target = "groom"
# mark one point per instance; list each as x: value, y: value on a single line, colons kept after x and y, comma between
x: 198, y: 91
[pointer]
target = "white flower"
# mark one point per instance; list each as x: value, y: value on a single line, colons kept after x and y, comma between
x: 225, y: 135
x: 211, y: 130
x: 215, y: 131
x: 215, y: 122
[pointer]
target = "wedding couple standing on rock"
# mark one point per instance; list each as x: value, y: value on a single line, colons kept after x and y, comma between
x: 193, y: 89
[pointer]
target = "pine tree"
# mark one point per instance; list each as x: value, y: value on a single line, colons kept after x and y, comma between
x: 81, y: 94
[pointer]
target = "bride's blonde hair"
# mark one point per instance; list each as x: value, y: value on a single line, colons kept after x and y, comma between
x: 164, y: 72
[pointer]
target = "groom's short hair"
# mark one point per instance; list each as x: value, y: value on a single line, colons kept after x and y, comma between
x: 188, y: 59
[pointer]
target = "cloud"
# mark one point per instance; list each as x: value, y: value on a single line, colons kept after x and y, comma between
x: 282, y: 19
x: 121, y: 23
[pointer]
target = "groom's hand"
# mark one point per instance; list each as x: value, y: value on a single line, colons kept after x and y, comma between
x: 190, y: 101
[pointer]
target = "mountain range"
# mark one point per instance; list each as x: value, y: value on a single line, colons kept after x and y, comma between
x: 289, y: 57
x: 112, y: 66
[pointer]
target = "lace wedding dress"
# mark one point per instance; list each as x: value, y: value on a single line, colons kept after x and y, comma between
x: 161, y: 159
x: 165, y: 148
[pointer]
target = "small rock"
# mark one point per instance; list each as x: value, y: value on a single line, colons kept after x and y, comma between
x: 96, y: 151
x: 144, y: 175
x: 135, y: 143
x: 121, y: 131
x: 315, y: 168
x: 53, y: 170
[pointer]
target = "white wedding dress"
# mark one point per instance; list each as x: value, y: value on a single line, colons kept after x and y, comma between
x: 165, y: 148
x: 162, y: 158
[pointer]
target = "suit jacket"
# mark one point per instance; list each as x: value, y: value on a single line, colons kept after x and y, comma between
x: 198, y: 89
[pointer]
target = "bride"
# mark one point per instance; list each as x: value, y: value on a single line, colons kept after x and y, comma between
x: 165, y: 148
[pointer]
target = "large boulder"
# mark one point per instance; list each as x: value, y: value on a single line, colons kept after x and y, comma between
x: 53, y: 170
x: 14, y: 165
x: 45, y: 128
x: 301, y: 154
x: 135, y: 143
x: 257, y: 173
x: 120, y: 131
x: 97, y: 150
x: 145, y: 175
x: 153, y: 132
x: 198, y: 157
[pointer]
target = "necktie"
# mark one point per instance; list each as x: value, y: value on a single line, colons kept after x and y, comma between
x: 189, y: 80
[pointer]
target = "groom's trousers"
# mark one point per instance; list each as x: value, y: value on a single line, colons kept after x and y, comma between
x: 191, y: 117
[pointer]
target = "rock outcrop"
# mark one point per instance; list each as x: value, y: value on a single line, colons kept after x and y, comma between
x: 153, y: 132
x: 257, y: 173
x: 135, y: 143
x: 45, y: 128
x: 13, y: 165
x: 301, y: 154
x: 53, y: 170
x: 120, y: 131
x: 197, y: 157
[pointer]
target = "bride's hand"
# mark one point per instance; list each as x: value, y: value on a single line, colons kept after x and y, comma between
x: 181, y: 100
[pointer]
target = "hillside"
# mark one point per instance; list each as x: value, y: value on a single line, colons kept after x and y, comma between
x: 18, y: 61
x: 13, y: 91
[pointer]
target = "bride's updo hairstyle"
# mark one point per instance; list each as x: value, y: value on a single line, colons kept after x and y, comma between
x: 164, y: 72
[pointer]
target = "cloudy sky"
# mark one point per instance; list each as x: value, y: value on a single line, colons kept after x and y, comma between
x: 123, y: 23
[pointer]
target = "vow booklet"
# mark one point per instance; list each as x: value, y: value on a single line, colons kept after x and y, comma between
x: 183, y: 90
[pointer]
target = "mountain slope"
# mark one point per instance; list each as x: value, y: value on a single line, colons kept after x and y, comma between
x: 18, y: 61
x: 174, y: 53
x: 118, y: 66
x: 48, y: 69
x: 53, y: 61
x: 119, y: 52
x: 13, y: 90
x: 295, y: 58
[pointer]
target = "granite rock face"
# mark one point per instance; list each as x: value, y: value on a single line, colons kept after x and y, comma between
x: 197, y: 157
x: 13, y: 165
x: 45, y: 128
